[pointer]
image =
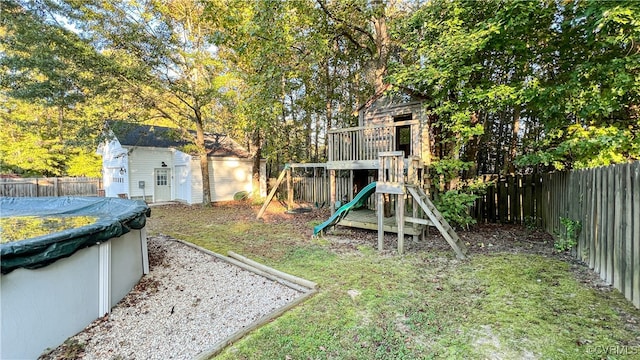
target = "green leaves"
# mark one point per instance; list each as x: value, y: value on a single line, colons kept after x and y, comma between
x: 581, y: 147
x: 532, y: 71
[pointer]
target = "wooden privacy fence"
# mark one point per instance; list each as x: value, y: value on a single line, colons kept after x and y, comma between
x: 38, y: 187
x: 312, y: 190
x: 604, y: 202
x: 312, y: 187
x: 513, y: 199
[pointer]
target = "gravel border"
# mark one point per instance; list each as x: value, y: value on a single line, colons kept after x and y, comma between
x: 189, y: 301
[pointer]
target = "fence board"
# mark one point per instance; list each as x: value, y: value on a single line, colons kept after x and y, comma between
x: 583, y: 242
x: 592, y: 220
x: 627, y: 234
x: 609, y: 225
x: 618, y: 247
x: 597, y: 216
x: 635, y: 192
x: 503, y: 198
x: 38, y: 187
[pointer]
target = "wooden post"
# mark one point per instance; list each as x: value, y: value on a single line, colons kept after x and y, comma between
x: 332, y: 190
x: 400, y: 222
x: 289, y: 190
x: 380, y: 200
x: 350, y: 190
x: 414, y: 213
x: 273, y: 191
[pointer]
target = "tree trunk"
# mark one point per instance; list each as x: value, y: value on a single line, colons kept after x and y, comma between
x: 256, y: 160
x: 509, y: 167
x: 473, y: 148
x: 328, y: 108
x: 204, y: 159
x: 382, y: 42
x: 60, y: 123
x: 316, y: 134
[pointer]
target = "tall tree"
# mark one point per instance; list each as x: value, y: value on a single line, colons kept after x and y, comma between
x: 559, y: 78
x: 165, y: 57
x: 50, y: 77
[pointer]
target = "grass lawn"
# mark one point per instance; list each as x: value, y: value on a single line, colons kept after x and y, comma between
x: 514, y: 298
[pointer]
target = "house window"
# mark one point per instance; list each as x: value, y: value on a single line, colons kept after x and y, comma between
x: 161, y: 178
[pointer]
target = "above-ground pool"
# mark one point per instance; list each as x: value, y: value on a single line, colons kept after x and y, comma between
x: 55, y: 283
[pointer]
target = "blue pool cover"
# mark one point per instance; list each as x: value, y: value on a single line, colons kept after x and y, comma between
x: 115, y: 217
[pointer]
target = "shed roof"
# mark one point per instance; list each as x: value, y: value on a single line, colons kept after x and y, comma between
x: 217, y: 145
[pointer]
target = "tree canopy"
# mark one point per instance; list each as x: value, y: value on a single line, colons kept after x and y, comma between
x: 509, y: 86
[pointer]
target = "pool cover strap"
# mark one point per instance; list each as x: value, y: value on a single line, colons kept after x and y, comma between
x: 115, y: 217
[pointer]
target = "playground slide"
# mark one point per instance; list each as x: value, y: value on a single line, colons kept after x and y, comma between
x: 356, y: 203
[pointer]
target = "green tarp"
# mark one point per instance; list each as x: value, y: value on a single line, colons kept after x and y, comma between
x: 115, y: 217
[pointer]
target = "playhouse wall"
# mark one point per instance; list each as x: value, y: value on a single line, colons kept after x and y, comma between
x: 382, y: 112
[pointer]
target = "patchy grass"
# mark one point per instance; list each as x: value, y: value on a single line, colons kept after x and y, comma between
x: 514, y: 298
x: 221, y: 228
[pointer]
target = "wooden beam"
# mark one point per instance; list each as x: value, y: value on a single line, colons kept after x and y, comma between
x: 380, y: 207
x: 273, y: 192
x: 400, y: 222
x: 355, y: 165
x: 289, y: 191
x: 308, y: 165
x: 416, y: 220
x: 332, y: 190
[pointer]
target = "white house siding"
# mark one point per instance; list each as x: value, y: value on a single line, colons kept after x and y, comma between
x: 196, y: 181
x: 229, y: 176
x: 142, y: 163
x: 115, y: 168
x: 182, y: 176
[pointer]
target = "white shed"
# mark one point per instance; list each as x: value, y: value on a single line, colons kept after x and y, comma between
x: 153, y: 163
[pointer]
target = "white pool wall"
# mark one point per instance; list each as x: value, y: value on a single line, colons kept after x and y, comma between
x: 41, y: 308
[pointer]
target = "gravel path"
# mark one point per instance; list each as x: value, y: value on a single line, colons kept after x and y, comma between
x: 189, y: 301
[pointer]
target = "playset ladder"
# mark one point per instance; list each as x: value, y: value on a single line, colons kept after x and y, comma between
x: 438, y: 220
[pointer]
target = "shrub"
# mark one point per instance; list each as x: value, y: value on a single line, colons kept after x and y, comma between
x: 454, y: 206
x: 569, y: 239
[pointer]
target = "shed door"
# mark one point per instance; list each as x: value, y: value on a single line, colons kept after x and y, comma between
x: 183, y: 185
x: 162, y: 185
